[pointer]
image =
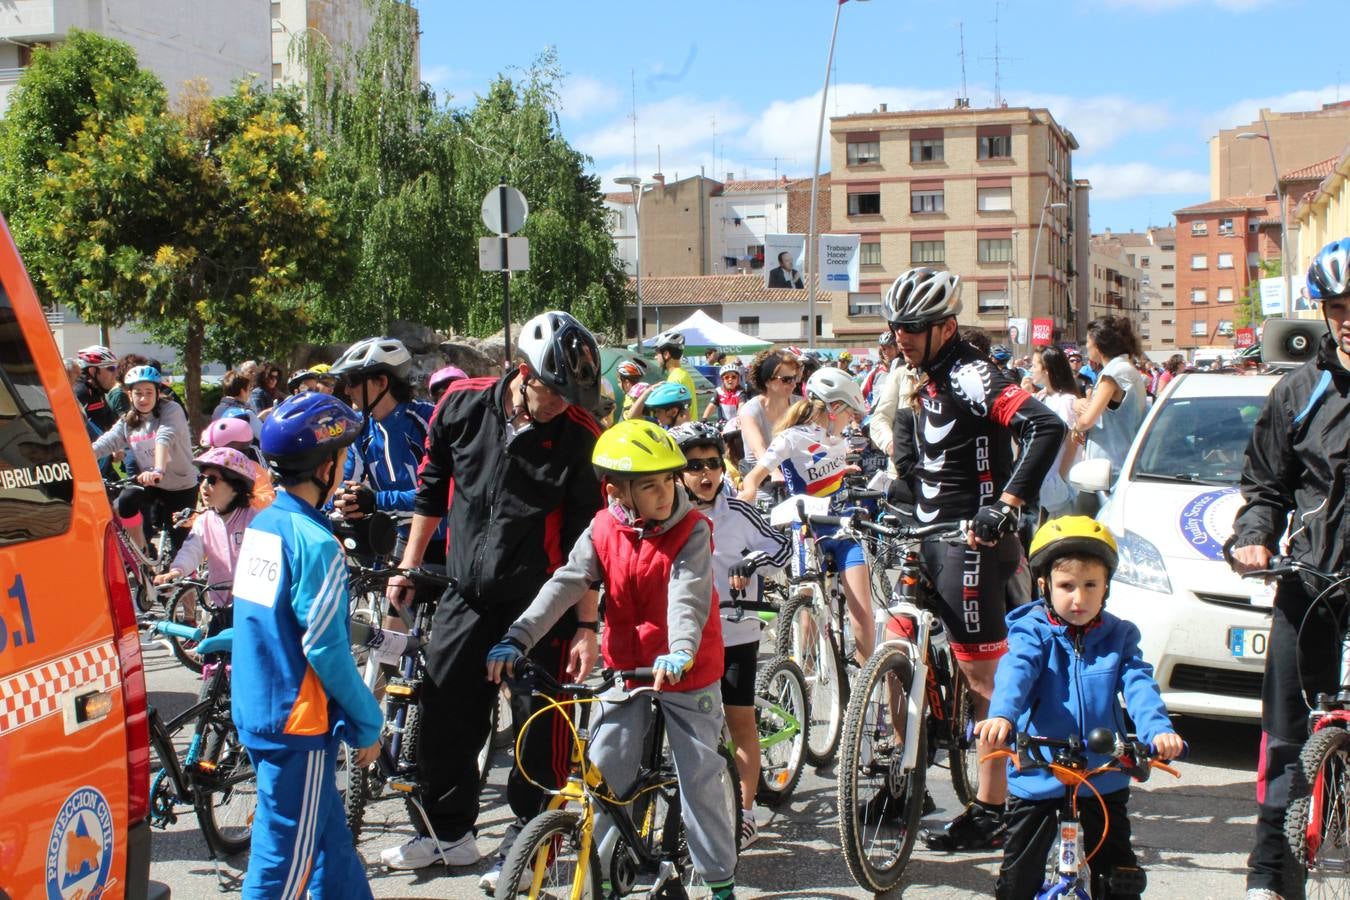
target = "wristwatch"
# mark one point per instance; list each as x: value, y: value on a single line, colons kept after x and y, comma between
x: 589, y: 626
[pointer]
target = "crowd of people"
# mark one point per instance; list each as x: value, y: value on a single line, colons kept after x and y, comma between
x: 537, y: 497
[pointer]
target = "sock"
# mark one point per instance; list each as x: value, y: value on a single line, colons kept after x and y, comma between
x: 725, y: 891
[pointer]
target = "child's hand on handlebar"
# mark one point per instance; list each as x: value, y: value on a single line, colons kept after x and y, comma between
x: 995, y: 732
x: 1251, y: 559
x: 1169, y: 746
x: 669, y: 668
x: 168, y: 576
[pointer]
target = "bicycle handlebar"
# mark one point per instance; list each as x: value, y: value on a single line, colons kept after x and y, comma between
x: 1280, y: 566
x: 530, y: 677
x: 1127, y: 752
x: 419, y: 576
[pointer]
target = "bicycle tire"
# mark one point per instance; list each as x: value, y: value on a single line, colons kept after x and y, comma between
x: 184, y: 650
x: 226, y: 799
x: 962, y: 755
x: 826, y: 679
x: 877, y: 843
x: 545, y: 842
x: 1318, y: 817
x: 356, y: 796
x: 486, y: 751
x: 782, y: 685
x: 407, y: 759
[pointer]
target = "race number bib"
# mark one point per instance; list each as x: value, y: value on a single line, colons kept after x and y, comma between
x: 259, y: 571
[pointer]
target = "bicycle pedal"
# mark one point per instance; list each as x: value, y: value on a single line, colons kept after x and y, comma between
x: 402, y: 785
x: 403, y: 689
x: 1126, y: 880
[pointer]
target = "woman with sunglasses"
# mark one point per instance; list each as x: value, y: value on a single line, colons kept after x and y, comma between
x: 774, y: 374
x: 227, y: 478
x: 268, y: 388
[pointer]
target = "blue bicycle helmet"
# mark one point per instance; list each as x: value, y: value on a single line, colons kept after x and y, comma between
x: 1329, y: 274
x: 140, y: 374
x: 668, y: 393
x: 305, y: 430
x: 1000, y: 353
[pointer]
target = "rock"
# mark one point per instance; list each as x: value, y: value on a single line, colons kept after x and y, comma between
x: 472, y: 356
x: 418, y: 338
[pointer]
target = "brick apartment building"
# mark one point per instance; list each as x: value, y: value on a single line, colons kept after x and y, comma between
x: 1239, y: 168
x: 1152, y: 257
x: 1115, y: 279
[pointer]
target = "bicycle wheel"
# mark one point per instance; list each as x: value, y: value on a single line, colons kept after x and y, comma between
x: 962, y: 754
x: 1317, y: 823
x: 225, y: 785
x: 543, y: 862
x: 782, y: 712
x: 485, y: 752
x: 879, y: 804
x: 802, y: 640
x: 186, y: 651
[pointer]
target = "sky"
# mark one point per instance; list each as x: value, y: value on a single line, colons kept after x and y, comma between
x: 734, y: 86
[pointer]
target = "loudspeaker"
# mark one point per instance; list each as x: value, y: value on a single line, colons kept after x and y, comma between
x: 1291, y: 340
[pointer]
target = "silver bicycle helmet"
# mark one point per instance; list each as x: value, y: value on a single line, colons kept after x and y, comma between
x: 374, y: 356
x: 563, y: 355
x: 668, y: 340
x: 922, y: 296
x: 1329, y: 274
x: 830, y: 385
x: 688, y: 435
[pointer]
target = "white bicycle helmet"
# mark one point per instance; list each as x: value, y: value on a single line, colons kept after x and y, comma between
x: 668, y: 340
x: 97, y: 356
x: 830, y: 385
x: 563, y: 355
x: 922, y: 296
x: 374, y: 356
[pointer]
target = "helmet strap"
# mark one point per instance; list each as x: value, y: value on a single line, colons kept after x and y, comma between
x: 524, y: 408
x: 325, y: 485
x: 368, y: 404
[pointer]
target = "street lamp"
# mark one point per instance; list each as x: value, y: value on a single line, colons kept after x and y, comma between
x: 1036, y: 252
x: 815, y: 185
x: 634, y: 182
x: 1284, y: 214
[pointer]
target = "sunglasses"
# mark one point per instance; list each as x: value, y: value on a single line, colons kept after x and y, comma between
x: 212, y: 480
x: 698, y: 465
x: 911, y: 327
x: 787, y: 379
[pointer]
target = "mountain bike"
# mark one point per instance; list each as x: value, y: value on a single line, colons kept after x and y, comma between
x: 1067, y: 872
x: 782, y: 711
x: 556, y: 855
x: 908, y: 702
x: 214, y: 774
x: 1317, y: 820
x: 142, y: 567
x: 194, y: 603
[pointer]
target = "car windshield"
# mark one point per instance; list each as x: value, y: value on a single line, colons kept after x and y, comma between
x: 1200, y: 439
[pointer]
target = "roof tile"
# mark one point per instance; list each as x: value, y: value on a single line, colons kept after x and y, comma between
x: 1315, y: 172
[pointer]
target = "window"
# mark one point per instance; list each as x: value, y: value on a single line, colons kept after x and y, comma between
x: 1166, y: 321
x: 925, y: 150
x: 994, y: 199
x: 1224, y: 295
x: 1225, y: 260
x: 1198, y: 295
x: 1198, y: 261
x: 1225, y: 226
x: 995, y: 250
x: 927, y: 252
x: 996, y: 146
x: 861, y: 153
x: 993, y: 300
x: 756, y: 254
x: 1199, y: 228
x: 1167, y: 248
x: 28, y: 431
x: 870, y: 253
x: 864, y: 304
x: 277, y: 71
x: 1199, y: 328
x: 819, y: 322
x: 276, y: 9
x: 1168, y: 267
x: 748, y: 325
x: 925, y: 201
x: 1143, y: 262
x: 1167, y: 285
x: 864, y: 204
x: 1225, y: 327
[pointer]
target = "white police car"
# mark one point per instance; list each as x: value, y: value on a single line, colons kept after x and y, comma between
x: 1202, y: 627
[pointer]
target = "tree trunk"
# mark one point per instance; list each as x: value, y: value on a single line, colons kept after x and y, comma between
x: 192, y: 370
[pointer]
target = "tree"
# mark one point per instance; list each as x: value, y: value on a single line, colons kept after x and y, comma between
x: 200, y: 224
x: 1247, y: 310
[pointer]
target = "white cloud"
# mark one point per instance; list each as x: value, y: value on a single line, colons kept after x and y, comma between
x: 678, y: 125
x: 1249, y: 110
x: 1098, y: 122
x: 1167, y: 5
x: 1121, y: 181
x: 437, y: 76
x: 583, y: 96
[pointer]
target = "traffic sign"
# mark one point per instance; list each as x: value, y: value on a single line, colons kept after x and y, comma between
x: 505, y: 210
x: 490, y: 254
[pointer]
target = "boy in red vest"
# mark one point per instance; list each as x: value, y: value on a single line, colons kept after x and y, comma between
x: 653, y: 552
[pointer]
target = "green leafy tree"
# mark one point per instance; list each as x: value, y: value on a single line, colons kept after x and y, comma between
x: 1247, y: 310
x: 199, y: 225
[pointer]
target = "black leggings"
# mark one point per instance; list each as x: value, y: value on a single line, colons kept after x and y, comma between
x: 1032, y: 832
x: 158, y: 506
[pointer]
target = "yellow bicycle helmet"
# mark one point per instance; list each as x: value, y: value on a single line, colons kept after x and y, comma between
x: 320, y: 368
x: 636, y: 447
x: 1072, y: 534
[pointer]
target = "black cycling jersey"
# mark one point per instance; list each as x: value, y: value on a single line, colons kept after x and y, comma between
x: 94, y: 401
x: 968, y: 413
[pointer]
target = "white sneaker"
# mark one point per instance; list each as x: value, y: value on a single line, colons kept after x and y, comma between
x: 488, y: 883
x: 1262, y: 894
x: 424, y: 851
x: 749, y: 830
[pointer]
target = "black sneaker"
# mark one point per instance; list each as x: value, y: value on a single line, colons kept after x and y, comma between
x: 976, y: 828
x: 886, y: 807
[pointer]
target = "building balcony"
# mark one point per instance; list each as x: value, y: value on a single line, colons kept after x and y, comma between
x: 43, y: 20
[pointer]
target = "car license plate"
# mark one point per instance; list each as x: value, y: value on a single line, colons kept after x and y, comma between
x: 1246, y: 643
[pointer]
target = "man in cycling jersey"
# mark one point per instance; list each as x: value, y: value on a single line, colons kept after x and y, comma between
x: 669, y: 353
x: 967, y: 415
x: 98, y: 376
x: 518, y: 451
x: 1297, y: 462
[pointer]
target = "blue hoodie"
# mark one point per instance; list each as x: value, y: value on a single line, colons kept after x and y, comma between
x: 1051, y: 684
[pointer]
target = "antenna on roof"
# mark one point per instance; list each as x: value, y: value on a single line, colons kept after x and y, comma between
x: 632, y: 74
x: 714, y: 149
x: 964, y: 99
x: 999, y: 59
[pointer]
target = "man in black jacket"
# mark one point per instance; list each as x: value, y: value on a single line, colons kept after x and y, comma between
x: 1298, y: 461
x: 510, y: 459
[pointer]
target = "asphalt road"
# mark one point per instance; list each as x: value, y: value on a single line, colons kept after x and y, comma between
x: 1192, y: 835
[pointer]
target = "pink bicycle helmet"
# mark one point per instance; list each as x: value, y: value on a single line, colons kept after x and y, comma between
x: 445, y: 376
x: 230, y: 430
x: 227, y: 460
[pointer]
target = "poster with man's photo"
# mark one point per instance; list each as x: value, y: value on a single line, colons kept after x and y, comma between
x: 784, y: 260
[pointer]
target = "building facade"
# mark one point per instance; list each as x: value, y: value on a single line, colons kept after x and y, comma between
x: 1154, y: 254
x: 741, y: 301
x: 1115, y: 280
x: 1241, y: 167
x: 622, y: 219
x: 1220, y: 247
x: 961, y: 189
x: 342, y: 23
x: 742, y: 213
x: 1323, y: 215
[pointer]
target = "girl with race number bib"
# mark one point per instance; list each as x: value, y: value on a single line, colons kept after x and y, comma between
x: 811, y: 452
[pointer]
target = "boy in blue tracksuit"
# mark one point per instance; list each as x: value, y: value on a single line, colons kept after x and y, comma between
x: 295, y: 690
x: 1067, y: 660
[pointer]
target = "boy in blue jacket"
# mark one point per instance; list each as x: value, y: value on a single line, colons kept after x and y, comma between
x: 295, y: 688
x: 1067, y: 659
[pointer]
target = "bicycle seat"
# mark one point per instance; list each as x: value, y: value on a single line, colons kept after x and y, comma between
x: 217, y: 643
